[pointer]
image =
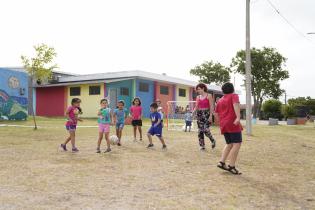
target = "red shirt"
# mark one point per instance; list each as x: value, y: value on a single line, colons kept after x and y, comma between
x: 72, y: 116
x: 136, y: 112
x: 227, y: 115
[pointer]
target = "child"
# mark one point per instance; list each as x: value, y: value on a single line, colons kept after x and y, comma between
x: 188, y: 119
x: 228, y: 113
x: 136, y: 114
x: 104, y: 121
x: 119, y: 119
x: 156, y: 128
x: 72, y: 115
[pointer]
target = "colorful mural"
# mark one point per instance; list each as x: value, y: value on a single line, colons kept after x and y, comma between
x: 13, y: 94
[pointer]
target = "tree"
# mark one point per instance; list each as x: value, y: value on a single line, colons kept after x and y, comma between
x: 267, y: 72
x: 272, y: 108
x: 210, y: 72
x: 39, y: 67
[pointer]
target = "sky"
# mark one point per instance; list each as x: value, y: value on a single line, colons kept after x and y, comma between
x: 164, y: 36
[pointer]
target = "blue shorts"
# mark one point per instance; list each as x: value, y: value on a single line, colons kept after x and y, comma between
x: 120, y: 125
x: 231, y: 138
x: 156, y: 131
x: 71, y: 127
x: 188, y: 123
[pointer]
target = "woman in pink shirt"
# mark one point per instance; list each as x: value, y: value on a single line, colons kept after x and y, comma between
x: 204, y: 111
x: 136, y: 114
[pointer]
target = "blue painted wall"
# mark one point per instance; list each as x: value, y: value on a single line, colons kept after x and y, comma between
x: 146, y: 97
x: 117, y: 86
x: 13, y: 94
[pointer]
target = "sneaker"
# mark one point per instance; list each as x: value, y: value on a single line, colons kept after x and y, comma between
x: 118, y: 144
x: 75, y: 149
x: 202, y: 148
x: 108, y: 150
x: 140, y: 139
x: 64, y: 147
x: 164, y: 147
x: 98, y: 151
x: 213, y: 143
x: 150, y: 145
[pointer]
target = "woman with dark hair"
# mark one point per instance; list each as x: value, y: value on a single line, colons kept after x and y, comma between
x: 204, y: 111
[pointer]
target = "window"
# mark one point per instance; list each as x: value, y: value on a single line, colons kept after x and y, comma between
x: 124, y: 91
x: 164, y: 90
x: 182, y: 92
x: 95, y: 90
x: 75, y: 91
x: 143, y: 87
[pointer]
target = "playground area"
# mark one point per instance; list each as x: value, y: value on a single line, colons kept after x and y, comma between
x: 277, y: 163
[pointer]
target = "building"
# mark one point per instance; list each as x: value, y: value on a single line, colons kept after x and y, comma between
x: 53, y: 97
x: 13, y: 94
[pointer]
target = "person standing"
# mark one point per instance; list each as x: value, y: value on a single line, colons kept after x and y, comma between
x: 204, y: 112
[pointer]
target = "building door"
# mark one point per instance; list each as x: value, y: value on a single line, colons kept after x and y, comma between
x: 113, y: 98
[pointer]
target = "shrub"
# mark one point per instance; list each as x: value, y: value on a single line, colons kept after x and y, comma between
x: 289, y: 111
x: 272, y: 108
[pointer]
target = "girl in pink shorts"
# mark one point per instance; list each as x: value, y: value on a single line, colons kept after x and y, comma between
x: 104, y: 122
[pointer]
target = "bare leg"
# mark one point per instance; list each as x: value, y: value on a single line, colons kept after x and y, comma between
x: 140, y: 131
x: 162, y: 140
x: 67, y: 140
x: 234, y: 152
x: 135, y: 132
x: 226, y: 152
x: 100, y: 137
x: 107, y: 140
x: 72, y: 136
x: 150, y: 138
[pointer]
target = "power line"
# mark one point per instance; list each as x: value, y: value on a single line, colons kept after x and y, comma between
x: 288, y: 22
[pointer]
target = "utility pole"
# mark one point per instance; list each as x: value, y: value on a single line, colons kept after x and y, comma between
x: 285, y: 97
x: 248, y: 73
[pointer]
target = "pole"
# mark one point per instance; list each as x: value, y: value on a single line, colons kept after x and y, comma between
x: 248, y: 73
x: 285, y: 97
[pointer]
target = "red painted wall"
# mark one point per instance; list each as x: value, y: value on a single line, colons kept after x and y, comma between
x: 164, y: 98
x: 50, y: 101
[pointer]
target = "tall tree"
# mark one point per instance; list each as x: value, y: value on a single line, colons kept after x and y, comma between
x: 210, y: 72
x: 39, y: 67
x: 267, y: 73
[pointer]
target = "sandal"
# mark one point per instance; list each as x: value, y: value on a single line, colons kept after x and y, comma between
x: 233, y: 170
x: 222, y: 166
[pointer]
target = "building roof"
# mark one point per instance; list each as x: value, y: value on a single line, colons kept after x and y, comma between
x: 133, y: 74
x: 22, y: 69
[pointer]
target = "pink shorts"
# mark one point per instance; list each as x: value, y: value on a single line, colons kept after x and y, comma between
x: 103, y: 128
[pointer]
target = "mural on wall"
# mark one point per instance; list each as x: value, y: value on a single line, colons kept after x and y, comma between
x: 12, y: 107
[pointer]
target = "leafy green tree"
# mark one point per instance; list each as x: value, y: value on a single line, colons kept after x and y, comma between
x: 40, y: 67
x: 210, y: 72
x: 267, y: 73
x: 272, y: 108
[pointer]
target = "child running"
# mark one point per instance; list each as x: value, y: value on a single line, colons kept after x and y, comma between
x: 228, y: 113
x: 188, y: 119
x: 104, y: 121
x: 72, y: 115
x: 136, y: 114
x: 156, y: 128
x: 119, y: 119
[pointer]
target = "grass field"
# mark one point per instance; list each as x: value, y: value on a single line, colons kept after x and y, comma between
x: 278, y: 168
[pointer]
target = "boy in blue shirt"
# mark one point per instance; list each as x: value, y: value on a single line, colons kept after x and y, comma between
x: 119, y: 119
x: 157, y: 127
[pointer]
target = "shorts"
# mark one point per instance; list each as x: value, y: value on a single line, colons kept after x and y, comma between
x: 136, y: 123
x: 188, y: 123
x: 103, y: 128
x: 231, y: 138
x: 120, y: 125
x: 71, y: 127
x: 156, y: 131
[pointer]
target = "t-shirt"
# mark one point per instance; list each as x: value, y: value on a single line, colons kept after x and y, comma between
x: 72, y: 112
x: 120, y: 115
x: 104, y: 118
x: 226, y: 113
x: 189, y: 116
x: 155, y: 116
x: 136, y: 112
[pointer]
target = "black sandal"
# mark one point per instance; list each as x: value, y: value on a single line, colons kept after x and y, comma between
x: 233, y: 170
x: 222, y: 166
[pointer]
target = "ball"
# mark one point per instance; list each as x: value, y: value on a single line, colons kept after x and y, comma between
x: 113, y: 139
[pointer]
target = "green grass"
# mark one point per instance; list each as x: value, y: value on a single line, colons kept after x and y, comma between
x: 278, y: 168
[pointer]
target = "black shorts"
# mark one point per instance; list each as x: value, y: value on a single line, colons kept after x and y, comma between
x: 136, y: 123
x: 233, y: 137
x: 188, y: 123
